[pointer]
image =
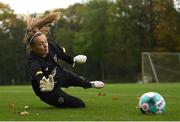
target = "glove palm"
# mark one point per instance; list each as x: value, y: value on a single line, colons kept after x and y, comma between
x: 47, y: 85
x: 79, y: 59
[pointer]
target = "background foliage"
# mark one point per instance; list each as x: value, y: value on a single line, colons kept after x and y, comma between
x: 111, y: 34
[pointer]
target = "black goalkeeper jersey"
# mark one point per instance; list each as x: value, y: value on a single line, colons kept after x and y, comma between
x: 40, y: 66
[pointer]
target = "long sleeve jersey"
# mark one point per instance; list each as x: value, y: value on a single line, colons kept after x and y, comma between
x: 41, y: 67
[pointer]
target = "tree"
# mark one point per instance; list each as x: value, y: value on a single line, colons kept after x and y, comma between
x: 11, y: 50
x: 167, y: 29
x: 92, y: 39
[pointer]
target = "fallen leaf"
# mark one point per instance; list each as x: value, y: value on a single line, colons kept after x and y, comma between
x: 26, y: 107
x: 24, y: 113
x: 11, y: 106
x: 101, y: 94
x: 115, y: 98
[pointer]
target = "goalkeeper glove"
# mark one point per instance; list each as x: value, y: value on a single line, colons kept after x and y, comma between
x: 47, y: 85
x: 79, y: 59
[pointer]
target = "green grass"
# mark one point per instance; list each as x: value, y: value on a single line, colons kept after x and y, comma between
x: 119, y: 103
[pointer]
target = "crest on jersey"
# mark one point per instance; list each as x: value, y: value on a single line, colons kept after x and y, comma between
x: 46, y: 69
x: 55, y: 58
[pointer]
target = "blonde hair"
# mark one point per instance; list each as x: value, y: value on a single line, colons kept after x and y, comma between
x: 39, y: 24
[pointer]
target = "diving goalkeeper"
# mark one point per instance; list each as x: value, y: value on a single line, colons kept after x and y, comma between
x: 48, y: 77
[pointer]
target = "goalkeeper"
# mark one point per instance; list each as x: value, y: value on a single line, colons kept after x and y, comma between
x: 48, y: 77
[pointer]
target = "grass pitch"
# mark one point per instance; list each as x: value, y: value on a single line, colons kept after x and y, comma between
x: 114, y: 102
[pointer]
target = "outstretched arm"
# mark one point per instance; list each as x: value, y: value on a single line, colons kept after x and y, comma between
x: 69, y: 59
x: 61, y: 52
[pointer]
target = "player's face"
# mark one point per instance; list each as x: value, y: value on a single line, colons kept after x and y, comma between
x: 41, y: 45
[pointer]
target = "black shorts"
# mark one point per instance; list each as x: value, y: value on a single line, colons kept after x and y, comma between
x: 59, y: 98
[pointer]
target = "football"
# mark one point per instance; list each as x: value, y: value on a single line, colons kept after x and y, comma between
x: 152, y: 103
